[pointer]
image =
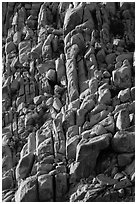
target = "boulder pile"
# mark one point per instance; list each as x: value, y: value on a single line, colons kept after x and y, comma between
x: 68, y: 101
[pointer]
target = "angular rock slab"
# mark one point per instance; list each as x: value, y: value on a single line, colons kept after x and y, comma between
x: 87, y: 153
x: 24, y: 166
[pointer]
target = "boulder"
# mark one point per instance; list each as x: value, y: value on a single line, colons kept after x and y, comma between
x: 123, y: 142
x: 24, y: 166
x: 71, y: 145
x: 45, y: 148
x: 73, y: 18
x: 7, y: 180
x: 27, y: 191
x: 110, y: 58
x: 133, y: 93
x: 87, y: 154
x: 125, y: 159
x: 7, y: 160
x: 123, y: 56
x: 123, y: 120
x: 72, y: 131
x: 80, y: 117
x: 122, y: 77
x: 105, y: 180
x: 72, y: 80
x: 61, y: 185
x: 125, y: 182
x: 9, y: 47
x: 45, y: 188
x: 43, y: 168
x: 130, y: 171
x: 108, y: 123
x: 32, y: 142
x: 104, y: 96
x: 45, y: 66
x: 88, y: 104
x: 96, y: 118
x: 24, y: 48
x: 60, y: 68
x: 94, y: 131
x: 100, y: 56
x: 69, y: 119
x: 93, y: 85
x: 124, y: 95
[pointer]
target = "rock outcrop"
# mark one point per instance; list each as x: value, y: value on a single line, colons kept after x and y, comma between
x: 68, y: 101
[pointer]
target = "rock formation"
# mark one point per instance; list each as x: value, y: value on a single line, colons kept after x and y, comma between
x: 68, y: 101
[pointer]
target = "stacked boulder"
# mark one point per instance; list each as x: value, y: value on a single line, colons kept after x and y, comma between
x: 68, y: 102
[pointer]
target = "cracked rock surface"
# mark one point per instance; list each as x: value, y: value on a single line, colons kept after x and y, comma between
x: 68, y: 101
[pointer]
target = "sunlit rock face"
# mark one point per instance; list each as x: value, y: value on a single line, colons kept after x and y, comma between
x: 68, y: 101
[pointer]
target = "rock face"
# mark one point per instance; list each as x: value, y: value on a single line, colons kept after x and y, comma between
x: 68, y: 101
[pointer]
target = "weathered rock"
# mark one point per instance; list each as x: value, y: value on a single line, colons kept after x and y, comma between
x: 110, y: 58
x: 123, y: 120
x: 123, y: 142
x: 125, y: 182
x: 96, y: 118
x: 133, y: 93
x: 108, y: 123
x: 87, y: 153
x: 130, y: 171
x: 124, y: 95
x: 32, y: 142
x: 73, y: 18
x: 69, y: 119
x: 61, y: 185
x: 60, y: 68
x: 122, y: 77
x: 27, y: 191
x: 24, y: 48
x: 72, y: 131
x: 7, y: 160
x: 105, y: 180
x: 80, y: 117
x: 88, y: 104
x: 93, y: 85
x: 71, y: 146
x: 44, y: 168
x: 124, y: 56
x: 105, y: 96
x: 125, y: 159
x: 7, y: 180
x: 24, y: 166
x: 45, y: 187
